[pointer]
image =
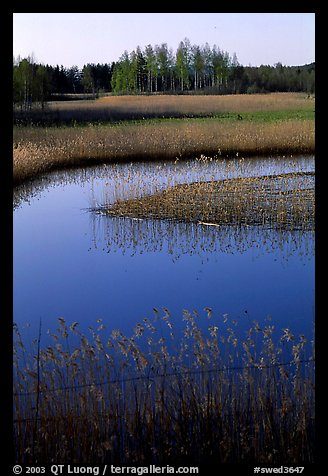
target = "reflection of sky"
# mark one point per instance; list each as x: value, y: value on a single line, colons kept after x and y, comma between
x: 67, y: 264
x: 109, y: 182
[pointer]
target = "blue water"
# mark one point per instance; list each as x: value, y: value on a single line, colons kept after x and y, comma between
x: 73, y: 264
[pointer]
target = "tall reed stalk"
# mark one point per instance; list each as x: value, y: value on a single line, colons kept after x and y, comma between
x: 213, y: 392
x: 38, y: 150
x: 284, y: 201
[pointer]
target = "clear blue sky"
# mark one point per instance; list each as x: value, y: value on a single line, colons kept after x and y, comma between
x: 78, y: 38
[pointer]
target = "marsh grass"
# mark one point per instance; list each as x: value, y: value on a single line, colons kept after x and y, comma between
x: 130, y: 128
x: 208, y: 393
x: 283, y: 201
x: 39, y: 150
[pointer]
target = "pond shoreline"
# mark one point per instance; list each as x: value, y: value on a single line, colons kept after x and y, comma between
x: 163, y: 128
x: 40, y: 151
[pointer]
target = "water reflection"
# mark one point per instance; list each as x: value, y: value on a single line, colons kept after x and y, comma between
x: 79, y: 265
x: 137, y: 236
x: 165, y: 296
x: 121, y: 181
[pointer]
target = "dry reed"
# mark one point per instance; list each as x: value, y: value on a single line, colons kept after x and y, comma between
x: 114, y: 108
x: 204, y: 395
x: 281, y: 202
x: 39, y: 150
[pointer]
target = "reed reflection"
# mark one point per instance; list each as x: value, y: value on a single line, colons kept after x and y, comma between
x: 177, y: 238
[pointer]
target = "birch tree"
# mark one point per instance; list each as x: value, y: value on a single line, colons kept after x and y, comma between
x: 182, y: 65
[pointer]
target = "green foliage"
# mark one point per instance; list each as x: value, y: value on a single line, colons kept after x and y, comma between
x: 30, y: 84
x: 192, y: 68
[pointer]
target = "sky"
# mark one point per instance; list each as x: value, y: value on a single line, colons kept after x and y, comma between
x: 79, y: 38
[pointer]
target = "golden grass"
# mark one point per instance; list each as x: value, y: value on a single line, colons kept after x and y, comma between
x: 274, y: 131
x: 39, y: 150
x: 280, y: 202
x: 173, y: 105
x: 205, y: 205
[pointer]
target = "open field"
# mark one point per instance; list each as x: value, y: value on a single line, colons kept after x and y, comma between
x: 117, y: 108
x: 212, y: 395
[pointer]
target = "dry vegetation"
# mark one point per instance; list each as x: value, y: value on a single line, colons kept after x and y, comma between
x: 208, y: 393
x: 139, y: 107
x: 282, y: 201
x: 40, y: 150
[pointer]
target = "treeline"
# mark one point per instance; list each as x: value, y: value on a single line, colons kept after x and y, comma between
x: 37, y: 83
x: 194, y: 68
x: 191, y: 68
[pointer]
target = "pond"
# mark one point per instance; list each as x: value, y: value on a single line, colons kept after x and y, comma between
x: 70, y: 262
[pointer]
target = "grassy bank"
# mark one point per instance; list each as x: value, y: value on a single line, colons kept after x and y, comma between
x: 188, y: 127
x: 39, y: 150
x: 210, y: 392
